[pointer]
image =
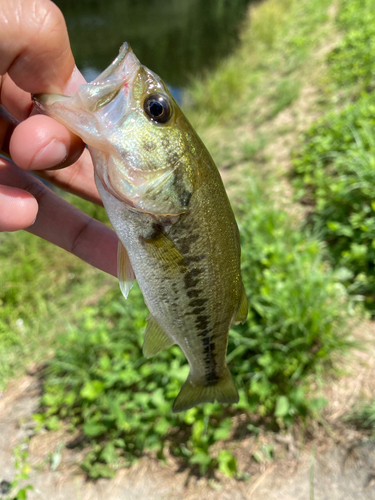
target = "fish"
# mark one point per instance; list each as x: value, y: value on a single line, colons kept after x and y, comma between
x: 166, y: 201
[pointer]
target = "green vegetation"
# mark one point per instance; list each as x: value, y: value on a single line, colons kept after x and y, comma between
x: 335, y: 163
x: 98, y: 380
x: 100, y: 383
x: 41, y: 286
x: 13, y: 489
x: 352, y: 63
x: 260, y: 80
x: 362, y: 416
x: 337, y: 168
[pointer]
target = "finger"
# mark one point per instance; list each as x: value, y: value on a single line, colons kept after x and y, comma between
x: 18, y: 209
x: 77, y: 179
x: 69, y: 228
x: 41, y: 142
x: 17, y: 101
x: 35, y: 52
x: 62, y: 224
x: 34, y: 45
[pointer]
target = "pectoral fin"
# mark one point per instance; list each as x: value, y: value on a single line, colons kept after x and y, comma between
x: 155, y: 339
x: 125, y: 271
x: 163, y: 250
x: 242, y: 309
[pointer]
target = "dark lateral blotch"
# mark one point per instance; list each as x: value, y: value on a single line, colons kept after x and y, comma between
x: 185, y: 198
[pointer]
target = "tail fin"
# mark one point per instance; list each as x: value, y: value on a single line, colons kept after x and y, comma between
x: 224, y: 391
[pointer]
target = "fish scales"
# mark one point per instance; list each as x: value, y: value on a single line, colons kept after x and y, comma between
x: 166, y: 201
x: 190, y: 300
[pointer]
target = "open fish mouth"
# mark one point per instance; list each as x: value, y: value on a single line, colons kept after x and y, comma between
x: 108, y: 96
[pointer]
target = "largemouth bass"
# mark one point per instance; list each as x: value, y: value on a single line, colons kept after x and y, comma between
x: 166, y: 201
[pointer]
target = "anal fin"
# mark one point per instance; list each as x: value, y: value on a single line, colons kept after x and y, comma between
x: 155, y: 339
x: 224, y: 391
x: 125, y: 271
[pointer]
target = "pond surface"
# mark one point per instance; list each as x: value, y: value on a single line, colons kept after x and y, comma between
x: 176, y: 39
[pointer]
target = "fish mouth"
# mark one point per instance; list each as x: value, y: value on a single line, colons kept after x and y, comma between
x: 99, y: 109
x: 110, y: 90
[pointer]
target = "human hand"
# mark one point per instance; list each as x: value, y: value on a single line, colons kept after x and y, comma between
x: 35, y: 57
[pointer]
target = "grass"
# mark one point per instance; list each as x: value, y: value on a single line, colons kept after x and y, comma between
x: 362, y: 416
x: 42, y: 286
x: 352, y: 62
x: 277, y: 39
x: 335, y: 161
x: 100, y: 383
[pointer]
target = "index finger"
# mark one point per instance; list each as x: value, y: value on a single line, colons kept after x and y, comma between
x: 34, y: 46
x: 35, y: 56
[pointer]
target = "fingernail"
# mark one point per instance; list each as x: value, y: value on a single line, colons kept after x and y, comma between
x: 74, y: 82
x: 50, y: 156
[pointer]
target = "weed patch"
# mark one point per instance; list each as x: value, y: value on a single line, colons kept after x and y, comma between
x: 335, y: 164
x: 352, y: 63
x: 100, y: 383
x: 41, y: 286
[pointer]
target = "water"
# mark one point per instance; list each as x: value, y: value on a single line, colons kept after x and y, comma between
x: 176, y: 39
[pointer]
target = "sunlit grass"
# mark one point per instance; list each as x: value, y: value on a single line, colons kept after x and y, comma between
x: 277, y: 39
x: 42, y: 288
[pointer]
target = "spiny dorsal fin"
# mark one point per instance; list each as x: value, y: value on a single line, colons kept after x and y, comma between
x: 242, y: 308
x: 155, y: 339
x: 125, y: 271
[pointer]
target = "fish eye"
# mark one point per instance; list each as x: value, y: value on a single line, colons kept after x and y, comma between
x: 158, y: 108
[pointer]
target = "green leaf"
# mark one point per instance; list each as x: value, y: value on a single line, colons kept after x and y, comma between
x: 53, y: 423
x: 318, y: 403
x: 203, y: 459
x: 162, y: 426
x: 227, y: 463
x: 92, y: 389
x: 97, y: 470
x: 223, y: 431
x: 282, y: 407
x: 109, y: 453
x: 93, y: 429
